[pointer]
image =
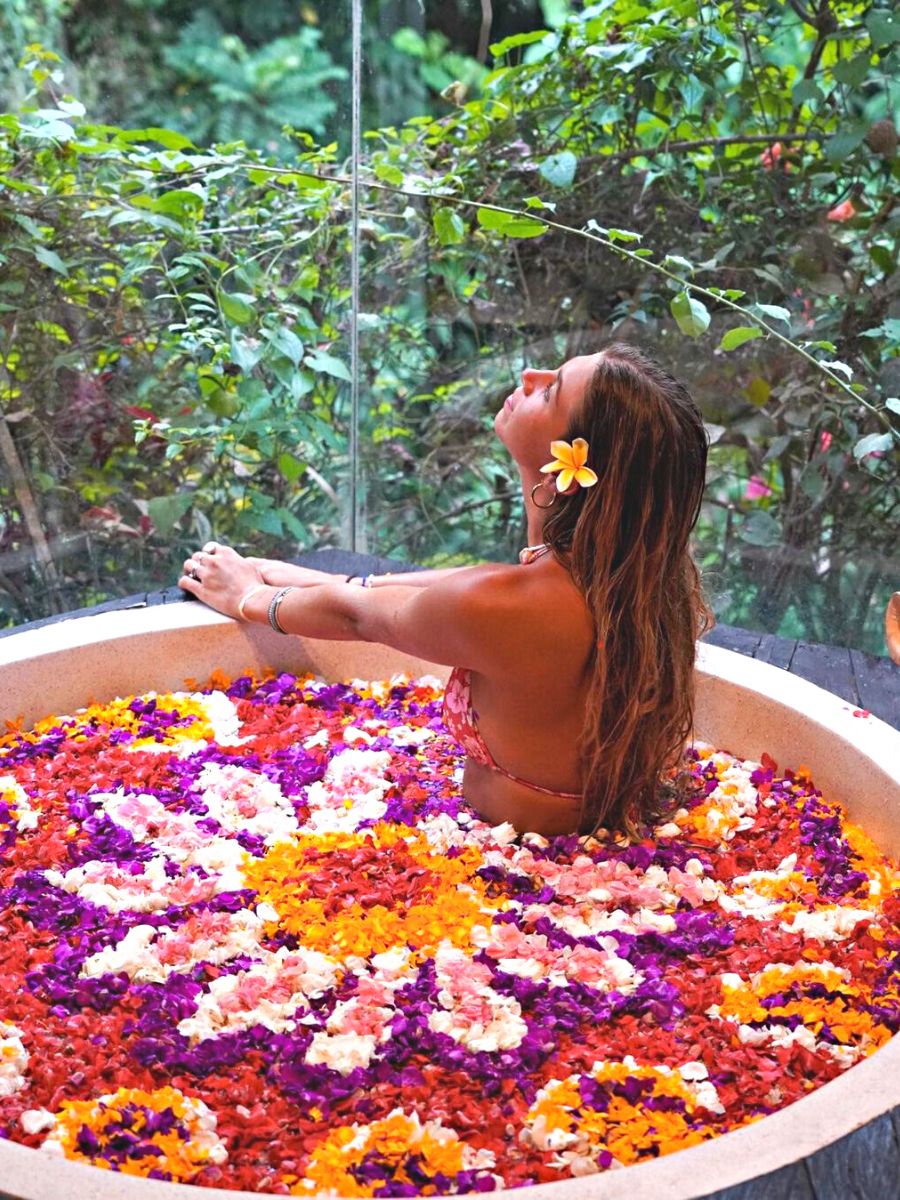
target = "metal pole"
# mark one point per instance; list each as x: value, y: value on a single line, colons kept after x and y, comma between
x: 355, y: 152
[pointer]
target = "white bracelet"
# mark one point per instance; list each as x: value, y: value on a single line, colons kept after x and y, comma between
x: 246, y: 596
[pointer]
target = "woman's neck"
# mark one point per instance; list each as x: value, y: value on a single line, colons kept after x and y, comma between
x: 536, y: 516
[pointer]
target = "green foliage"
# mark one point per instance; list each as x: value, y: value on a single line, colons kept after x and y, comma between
x: 716, y: 140
x: 438, y: 65
x: 21, y: 23
x: 227, y: 92
x: 173, y: 325
x: 559, y: 169
x: 690, y: 313
x: 225, y: 70
x: 173, y: 320
x: 510, y: 224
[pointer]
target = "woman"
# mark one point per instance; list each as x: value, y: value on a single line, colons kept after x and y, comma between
x: 572, y: 692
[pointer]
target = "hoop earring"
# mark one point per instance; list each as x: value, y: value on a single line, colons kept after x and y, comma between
x: 535, y: 503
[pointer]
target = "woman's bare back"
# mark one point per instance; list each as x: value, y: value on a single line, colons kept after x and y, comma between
x: 531, y: 713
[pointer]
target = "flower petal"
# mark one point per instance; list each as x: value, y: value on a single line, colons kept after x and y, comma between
x: 564, y: 479
x: 579, y: 452
x: 563, y: 451
x: 556, y: 465
x: 586, y: 477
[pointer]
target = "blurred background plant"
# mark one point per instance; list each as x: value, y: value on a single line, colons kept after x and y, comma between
x: 175, y: 296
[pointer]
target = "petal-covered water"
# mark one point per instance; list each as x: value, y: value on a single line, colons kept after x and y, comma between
x: 252, y: 937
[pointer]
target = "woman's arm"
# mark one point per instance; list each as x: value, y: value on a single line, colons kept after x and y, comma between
x: 460, y: 621
x: 416, y: 579
x: 283, y: 574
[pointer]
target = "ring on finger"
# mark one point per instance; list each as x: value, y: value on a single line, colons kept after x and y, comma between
x: 210, y: 547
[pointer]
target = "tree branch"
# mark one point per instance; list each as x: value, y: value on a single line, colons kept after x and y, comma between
x: 803, y: 13
x: 698, y: 144
x: 484, y: 36
x: 25, y: 499
x: 825, y: 25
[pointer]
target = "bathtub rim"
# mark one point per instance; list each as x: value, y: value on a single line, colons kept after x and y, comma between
x: 866, y: 1091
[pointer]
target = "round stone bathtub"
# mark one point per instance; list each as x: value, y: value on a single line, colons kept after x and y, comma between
x: 743, y: 706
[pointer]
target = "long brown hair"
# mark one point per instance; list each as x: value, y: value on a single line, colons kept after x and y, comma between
x: 625, y: 542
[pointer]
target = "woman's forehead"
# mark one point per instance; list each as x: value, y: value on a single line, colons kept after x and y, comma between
x: 585, y: 362
x: 575, y: 374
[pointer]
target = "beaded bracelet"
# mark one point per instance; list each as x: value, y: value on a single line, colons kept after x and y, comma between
x: 274, y: 605
x: 366, y: 580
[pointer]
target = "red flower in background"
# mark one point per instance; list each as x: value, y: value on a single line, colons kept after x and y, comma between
x: 842, y: 212
x: 770, y: 156
x: 773, y: 155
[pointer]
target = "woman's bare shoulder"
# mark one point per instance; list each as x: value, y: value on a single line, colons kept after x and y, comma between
x: 534, y: 605
x: 519, y: 585
x: 484, y: 581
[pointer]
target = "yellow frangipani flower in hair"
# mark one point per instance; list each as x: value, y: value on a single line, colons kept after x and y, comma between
x: 569, y: 462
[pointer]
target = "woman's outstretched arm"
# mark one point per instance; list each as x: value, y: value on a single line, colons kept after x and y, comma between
x: 458, y: 622
x: 284, y: 574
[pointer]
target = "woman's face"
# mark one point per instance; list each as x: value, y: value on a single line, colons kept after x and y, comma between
x: 540, y: 409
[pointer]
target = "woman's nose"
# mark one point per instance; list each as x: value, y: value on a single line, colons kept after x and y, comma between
x: 532, y: 378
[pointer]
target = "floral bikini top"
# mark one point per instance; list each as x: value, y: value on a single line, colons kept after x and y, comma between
x: 461, y: 721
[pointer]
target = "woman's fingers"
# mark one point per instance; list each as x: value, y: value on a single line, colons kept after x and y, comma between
x: 218, y: 576
x: 204, y: 558
x: 201, y: 565
x: 189, y: 581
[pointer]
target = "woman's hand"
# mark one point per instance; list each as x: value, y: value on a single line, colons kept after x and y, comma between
x: 282, y: 574
x: 220, y: 577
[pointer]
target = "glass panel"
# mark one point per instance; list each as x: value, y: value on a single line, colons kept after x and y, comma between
x: 692, y: 142
x: 443, y: 327
x: 201, y: 301
x: 173, y: 318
